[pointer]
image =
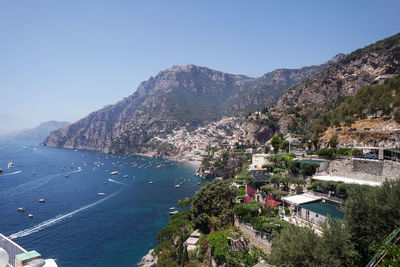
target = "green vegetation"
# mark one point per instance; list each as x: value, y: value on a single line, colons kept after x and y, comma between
x: 368, y: 100
x: 301, y: 246
x: 340, y: 189
x: 388, y: 44
x: 275, y: 143
x: 371, y: 214
x: 212, y: 205
x: 331, y: 153
x: 260, y: 217
x: 218, y: 241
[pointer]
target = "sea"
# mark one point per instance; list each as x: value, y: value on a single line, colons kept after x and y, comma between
x: 76, y: 225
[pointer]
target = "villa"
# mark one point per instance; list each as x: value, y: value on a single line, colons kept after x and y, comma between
x: 13, y: 255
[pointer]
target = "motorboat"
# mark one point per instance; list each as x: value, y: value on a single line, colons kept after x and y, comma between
x: 173, y: 212
x: 10, y: 165
x: 30, y: 215
x: 101, y: 194
x: 21, y: 209
x: 42, y: 200
x: 151, y: 182
x: 114, y: 173
x: 125, y: 176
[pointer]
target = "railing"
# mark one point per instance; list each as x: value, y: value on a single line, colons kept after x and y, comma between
x: 393, y: 238
x: 12, y: 249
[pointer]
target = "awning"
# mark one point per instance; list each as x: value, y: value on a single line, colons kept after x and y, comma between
x: 299, y: 199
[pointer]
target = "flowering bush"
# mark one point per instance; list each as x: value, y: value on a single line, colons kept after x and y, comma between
x: 249, y: 191
x: 247, y: 199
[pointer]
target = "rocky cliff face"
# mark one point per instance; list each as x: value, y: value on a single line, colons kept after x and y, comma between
x: 345, y: 77
x: 180, y: 96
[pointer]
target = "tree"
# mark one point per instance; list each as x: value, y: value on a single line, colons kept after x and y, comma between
x: 285, y: 146
x: 308, y: 169
x: 333, y: 142
x: 294, y: 167
x: 185, y: 203
x: 275, y: 143
x: 212, y: 205
x: 301, y: 246
x: 371, y: 214
x: 315, y: 142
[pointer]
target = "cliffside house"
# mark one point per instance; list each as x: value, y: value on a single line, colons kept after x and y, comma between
x: 312, y: 208
x: 258, y: 160
x: 381, y: 78
x: 191, y: 242
x: 13, y: 255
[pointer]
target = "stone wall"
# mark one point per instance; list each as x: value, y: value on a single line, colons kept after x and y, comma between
x: 362, y: 169
x: 262, y: 239
x: 373, y: 167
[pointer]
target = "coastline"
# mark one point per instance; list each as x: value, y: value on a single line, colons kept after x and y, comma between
x: 194, y: 163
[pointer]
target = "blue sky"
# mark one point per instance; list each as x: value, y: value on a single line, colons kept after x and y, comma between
x: 61, y: 60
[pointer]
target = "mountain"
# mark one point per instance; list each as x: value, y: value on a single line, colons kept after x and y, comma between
x: 344, y: 78
x: 187, y: 96
x: 369, y: 118
x: 38, y: 133
x: 298, y: 108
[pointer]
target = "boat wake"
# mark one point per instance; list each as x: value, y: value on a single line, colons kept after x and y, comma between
x: 11, y: 173
x: 111, y: 180
x: 57, y: 219
x: 37, y: 182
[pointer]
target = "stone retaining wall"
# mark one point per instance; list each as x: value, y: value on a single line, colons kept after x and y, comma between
x: 362, y: 169
x: 262, y: 239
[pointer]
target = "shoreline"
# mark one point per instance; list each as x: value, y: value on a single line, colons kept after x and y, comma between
x: 194, y: 163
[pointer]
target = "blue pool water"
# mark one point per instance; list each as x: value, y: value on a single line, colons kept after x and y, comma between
x: 77, y: 226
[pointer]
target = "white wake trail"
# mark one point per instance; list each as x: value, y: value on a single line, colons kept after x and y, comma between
x: 56, y: 219
x: 11, y: 173
x: 111, y: 180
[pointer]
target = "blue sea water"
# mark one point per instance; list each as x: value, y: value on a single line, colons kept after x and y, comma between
x: 77, y: 226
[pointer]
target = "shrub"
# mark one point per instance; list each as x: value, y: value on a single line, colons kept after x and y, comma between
x: 396, y: 115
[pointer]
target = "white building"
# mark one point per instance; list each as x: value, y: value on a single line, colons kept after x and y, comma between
x: 258, y: 160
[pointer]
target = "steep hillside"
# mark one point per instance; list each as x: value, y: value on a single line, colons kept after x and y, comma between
x: 370, y: 117
x: 180, y: 96
x: 300, y: 106
x: 344, y: 78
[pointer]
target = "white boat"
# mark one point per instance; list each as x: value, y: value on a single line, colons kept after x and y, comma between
x: 21, y: 209
x: 172, y: 208
x: 114, y: 173
x: 42, y: 200
x: 173, y: 212
x: 176, y: 186
x: 101, y: 194
x: 125, y: 176
x: 151, y: 182
x: 30, y: 215
x: 10, y: 165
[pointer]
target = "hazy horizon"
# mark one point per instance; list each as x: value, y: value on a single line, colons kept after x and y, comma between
x: 64, y: 60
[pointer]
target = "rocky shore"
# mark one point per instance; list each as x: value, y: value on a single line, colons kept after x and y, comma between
x: 148, y: 260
